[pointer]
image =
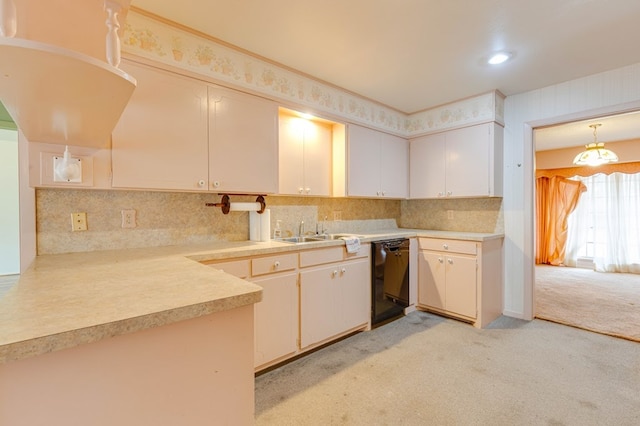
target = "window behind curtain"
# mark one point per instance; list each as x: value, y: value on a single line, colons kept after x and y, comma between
x: 605, y: 225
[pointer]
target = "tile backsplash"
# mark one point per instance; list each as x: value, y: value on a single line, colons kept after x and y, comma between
x: 459, y: 214
x: 170, y: 218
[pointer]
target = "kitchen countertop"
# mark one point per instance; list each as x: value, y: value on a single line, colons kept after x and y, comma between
x: 65, y: 300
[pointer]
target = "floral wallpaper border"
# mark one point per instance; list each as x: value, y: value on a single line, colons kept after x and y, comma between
x: 152, y: 39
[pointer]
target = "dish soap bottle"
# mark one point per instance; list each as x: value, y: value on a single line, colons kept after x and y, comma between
x: 277, y: 233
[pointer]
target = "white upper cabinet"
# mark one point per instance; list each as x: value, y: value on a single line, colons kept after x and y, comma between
x: 160, y: 141
x: 427, y: 166
x: 243, y: 136
x: 179, y: 133
x: 377, y: 163
x: 464, y: 162
x: 304, y: 156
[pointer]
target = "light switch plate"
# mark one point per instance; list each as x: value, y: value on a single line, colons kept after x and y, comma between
x: 78, y: 222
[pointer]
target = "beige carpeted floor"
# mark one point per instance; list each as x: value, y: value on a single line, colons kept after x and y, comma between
x: 427, y: 370
x: 607, y: 303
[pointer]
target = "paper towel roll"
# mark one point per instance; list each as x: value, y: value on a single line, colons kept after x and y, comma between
x: 260, y: 226
x: 254, y: 226
x: 265, y: 225
x: 244, y: 207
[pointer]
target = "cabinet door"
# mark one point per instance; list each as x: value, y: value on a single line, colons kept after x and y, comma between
x: 431, y: 279
x: 427, y: 166
x: 160, y: 141
x: 290, y: 153
x: 317, y: 159
x: 243, y: 150
x: 363, y: 162
x: 304, y: 157
x: 467, y: 161
x: 355, y: 288
x: 394, y: 166
x: 461, y: 285
x: 319, y: 305
x: 276, y: 318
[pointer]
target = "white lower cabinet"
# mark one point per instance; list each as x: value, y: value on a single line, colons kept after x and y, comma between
x: 276, y: 318
x: 462, y: 279
x: 333, y: 299
x: 276, y: 315
x: 308, y: 297
x: 449, y: 282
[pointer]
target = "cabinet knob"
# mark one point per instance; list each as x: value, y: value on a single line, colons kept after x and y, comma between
x: 378, y: 193
x: 384, y: 193
x: 441, y: 260
x: 440, y: 194
x: 448, y: 193
x: 450, y: 261
x: 334, y: 273
x: 300, y: 190
x: 343, y: 270
x: 201, y: 183
x: 307, y: 190
x: 216, y: 183
x: 445, y: 246
x: 276, y: 264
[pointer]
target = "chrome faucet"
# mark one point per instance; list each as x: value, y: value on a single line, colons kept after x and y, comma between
x: 323, y: 230
x: 301, y: 229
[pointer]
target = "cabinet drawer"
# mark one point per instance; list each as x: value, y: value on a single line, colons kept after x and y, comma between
x: 318, y: 257
x: 454, y: 246
x: 271, y: 264
x: 238, y: 268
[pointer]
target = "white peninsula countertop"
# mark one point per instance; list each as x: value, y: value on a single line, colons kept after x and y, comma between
x: 66, y: 300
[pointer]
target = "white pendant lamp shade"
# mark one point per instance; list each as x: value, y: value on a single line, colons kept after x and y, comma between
x: 595, y: 153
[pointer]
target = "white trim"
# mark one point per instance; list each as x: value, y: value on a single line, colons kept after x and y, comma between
x: 513, y: 314
x: 529, y: 188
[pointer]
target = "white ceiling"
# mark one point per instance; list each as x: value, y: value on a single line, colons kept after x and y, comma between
x: 412, y: 55
x: 613, y: 129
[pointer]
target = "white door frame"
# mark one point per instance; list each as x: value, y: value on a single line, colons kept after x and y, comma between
x: 530, y: 188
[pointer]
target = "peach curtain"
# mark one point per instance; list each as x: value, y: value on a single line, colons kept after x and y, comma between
x: 556, y: 198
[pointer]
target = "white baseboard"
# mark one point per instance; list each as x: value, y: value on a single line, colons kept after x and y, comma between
x: 518, y: 315
x: 585, y: 263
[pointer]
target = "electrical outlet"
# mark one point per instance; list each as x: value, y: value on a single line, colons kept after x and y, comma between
x: 78, y: 222
x: 337, y: 215
x: 128, y: 218
x: 449, y: 214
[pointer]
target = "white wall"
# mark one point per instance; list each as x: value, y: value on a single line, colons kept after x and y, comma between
x: 9, y: 200
x: 593, y: 96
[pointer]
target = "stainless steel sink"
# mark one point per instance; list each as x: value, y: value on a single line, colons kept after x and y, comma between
x: 339, y: 236
x: 298, y: 240
x: 315, y: 238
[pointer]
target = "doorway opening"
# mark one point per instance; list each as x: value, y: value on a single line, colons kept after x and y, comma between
x: 10, y: 212
x: 596, y: 301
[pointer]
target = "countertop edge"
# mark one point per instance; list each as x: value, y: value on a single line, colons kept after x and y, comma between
x: 88, y: 333
x: 68, y: 339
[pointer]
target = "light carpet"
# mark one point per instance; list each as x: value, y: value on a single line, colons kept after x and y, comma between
x: 607, y: 303
x: 427, y: 370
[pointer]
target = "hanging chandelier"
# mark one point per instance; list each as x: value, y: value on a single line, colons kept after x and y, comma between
x: 595, y: 153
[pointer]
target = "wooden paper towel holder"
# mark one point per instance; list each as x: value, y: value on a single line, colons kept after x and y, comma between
x: 225, y: 203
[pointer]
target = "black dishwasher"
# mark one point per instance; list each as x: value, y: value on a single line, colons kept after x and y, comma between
x: 389, y: 280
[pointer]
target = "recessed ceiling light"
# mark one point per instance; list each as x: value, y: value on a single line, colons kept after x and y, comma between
x: 499, y: 58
